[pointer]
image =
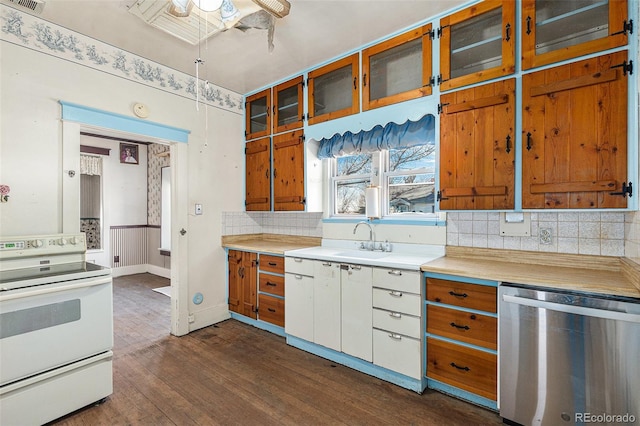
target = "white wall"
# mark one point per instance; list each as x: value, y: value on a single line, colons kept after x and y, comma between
x: 31, y: 158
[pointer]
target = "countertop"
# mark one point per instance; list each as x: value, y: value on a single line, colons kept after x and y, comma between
x: 268, y: 243
x: 594, y: 274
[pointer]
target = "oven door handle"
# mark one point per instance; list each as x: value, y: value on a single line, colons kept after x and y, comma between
x: 572, y: 309
x: 48, y: 289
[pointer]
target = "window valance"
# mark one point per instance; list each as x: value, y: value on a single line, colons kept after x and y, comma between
x: 391, y: 136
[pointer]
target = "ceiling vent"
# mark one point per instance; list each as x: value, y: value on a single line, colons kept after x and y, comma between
x: 195, y: 27
x: 35, y: 6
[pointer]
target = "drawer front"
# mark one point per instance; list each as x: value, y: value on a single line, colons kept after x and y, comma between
x: 273, y: 264
x: 397, y: 322
x: 397, y: 301
x: 298, y: 265
x: 465, y: 368
x: 472, y: 296
x: 467, y: 327
x: 397, y: 279
x: 273, y: 284
x: 271, y: 309
x: 398, y: 353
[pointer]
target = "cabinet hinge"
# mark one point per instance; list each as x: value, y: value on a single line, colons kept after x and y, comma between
x: 246, y: 134
x: 441, y: 108
x: 626, y: 190
x: 432, y: 81
x: 439, y: 196
x: 626, y: 67
x: 626, y: 27
x: 440, y: 30
x: 303, y: 83
x: 245, y: 150
x: 255, y: 262
x: 431, y: 34
x: 304, y: 200
x: 306, y: 117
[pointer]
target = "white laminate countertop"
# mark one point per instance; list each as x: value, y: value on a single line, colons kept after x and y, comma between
x: 402, y: 256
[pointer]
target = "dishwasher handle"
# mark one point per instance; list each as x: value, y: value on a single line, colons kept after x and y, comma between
x: 572, y: 309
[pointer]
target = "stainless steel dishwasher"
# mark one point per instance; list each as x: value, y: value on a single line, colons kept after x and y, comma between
x: 568, y: 358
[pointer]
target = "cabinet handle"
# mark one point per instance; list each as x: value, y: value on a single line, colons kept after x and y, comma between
x: 395, y: 315
x: 355, y: 267
x: 396, y: 293
x: 326, y: 263
x: 395, y: 336
x: 270, y: 284
x: 364, y: 80
x: 271, y: 310
x: 463, y: 327
x: 507, y: 30
x: 274, y: 173
x: 355, y: 83
x: 273, y: 264
x: 453, y: 293
x: 394, y: 272
x: 508, y: 144
x: 266, y: 174
x: 297, y: 259
x: 529, y: 141
x: 453, y: 364
x: 528, y: 25
x: 241, y: 271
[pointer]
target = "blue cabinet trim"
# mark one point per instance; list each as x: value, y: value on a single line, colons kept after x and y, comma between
x: 259, y: 324
x: 461, y: 279
x: 462, y: 394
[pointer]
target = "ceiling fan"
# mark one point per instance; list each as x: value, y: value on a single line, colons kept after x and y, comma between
x: 182, y: 8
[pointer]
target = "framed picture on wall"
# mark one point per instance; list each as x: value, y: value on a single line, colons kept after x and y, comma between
x: 128, y: 153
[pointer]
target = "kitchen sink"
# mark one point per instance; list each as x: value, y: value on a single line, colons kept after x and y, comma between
x: 362, y: 254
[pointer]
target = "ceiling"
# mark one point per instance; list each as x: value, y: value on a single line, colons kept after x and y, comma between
x: 314, y: 32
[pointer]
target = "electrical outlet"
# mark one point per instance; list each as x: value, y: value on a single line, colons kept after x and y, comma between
x: 116, y: 259
x: 545, y: 236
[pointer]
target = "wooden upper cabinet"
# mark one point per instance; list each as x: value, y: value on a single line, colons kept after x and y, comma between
x: 334, y: 90
x: 287, y: 106
x: 258, y: 175
x: 397, y: 70
x: 554, y: 31
x: 477, y: 43
x: 258, y: 115
x: 477, y: 151
x: 574, y: 135
x: 288, y: 171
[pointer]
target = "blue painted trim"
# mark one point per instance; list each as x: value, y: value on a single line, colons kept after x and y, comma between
x: 358, y: 364
x: 259, y: 324
x: 461, y: 279
x: 275, y: 296
x: 99, y: 118
x: 460, y: 343
x: 268, y: 272
x: 460, y: 308
x: 462, y: 394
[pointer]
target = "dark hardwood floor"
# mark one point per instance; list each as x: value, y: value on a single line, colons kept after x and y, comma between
x: 235, y: 374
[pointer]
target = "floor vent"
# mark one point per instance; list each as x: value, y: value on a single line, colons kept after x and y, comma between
x: 34, y: 5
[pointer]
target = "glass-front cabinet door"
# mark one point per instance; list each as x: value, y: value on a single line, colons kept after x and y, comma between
x: 554, y: 31
x: 287, y: 102
x: 333, y: 90
x: 258, y: 115
x: 397, y: 70
x: 477, y: 43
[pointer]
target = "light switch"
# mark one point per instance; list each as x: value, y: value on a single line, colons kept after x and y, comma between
x: 198, y: 209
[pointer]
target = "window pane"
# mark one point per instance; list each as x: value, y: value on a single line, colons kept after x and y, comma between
x: 333, y: 91
x: 90, y: 210
x: 396, y: 70
x: 476, y: 44
x: 350, y: 196
x: 354, y: 165
x: 417, y: 157
x: 411, y: 193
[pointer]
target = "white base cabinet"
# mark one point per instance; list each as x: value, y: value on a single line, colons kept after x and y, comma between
x: 357, y: 312
x: 327, y: 305
x: 397, y: 352
x: 298, y: 285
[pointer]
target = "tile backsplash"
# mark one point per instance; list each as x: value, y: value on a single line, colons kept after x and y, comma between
x: 286, y: 223
x: 595, y: 233
x: 632, y: 235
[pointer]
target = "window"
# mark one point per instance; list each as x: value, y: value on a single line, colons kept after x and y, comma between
x: 352, y: 174
x: 91, y: 200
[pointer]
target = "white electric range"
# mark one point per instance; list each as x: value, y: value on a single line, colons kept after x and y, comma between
x: 56, y: 328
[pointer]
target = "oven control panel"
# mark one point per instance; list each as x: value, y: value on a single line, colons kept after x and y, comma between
x: 38, y: 245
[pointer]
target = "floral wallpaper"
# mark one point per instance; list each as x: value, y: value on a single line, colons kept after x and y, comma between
x: 154, y: 181
x: 40, y: 35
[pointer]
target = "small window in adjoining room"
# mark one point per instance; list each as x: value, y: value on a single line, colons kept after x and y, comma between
x: 410, y: 180
x: 352, y: 175
x: 91, y: 200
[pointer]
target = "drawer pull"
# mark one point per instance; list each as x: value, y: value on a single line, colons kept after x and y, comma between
x: 464, y: 327
x: 271, y: 310
x: 355, y: 267
x: 297, y: 259
x: 326, y: 263
x: 395, y: 315
x: 395, y: 336
x: 393, y: 272
x: 453, y: 293
x: 273, y: 264
x: 453, y: 364
x: 298, y: 277
x: 269, y: 283
x: 396, y: 293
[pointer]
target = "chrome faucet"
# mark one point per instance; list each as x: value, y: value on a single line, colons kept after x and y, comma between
x: 371, y: 245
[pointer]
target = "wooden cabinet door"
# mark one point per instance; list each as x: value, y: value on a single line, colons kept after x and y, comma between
x: 288, y: 171
x: 258, y: 115
x: 477, y: 155
x: 243, y: 279
x: 574, y: 135
x: 553, y: 31
x: 357, y: 311
x: 334, y: 91
x: 287, y: 106
x: 477, y: 43
x: 258, y: 175
x: 397, y: 69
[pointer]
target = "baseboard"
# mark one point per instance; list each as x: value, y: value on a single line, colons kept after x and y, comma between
x: 141, y: 269
x: 209, y: 316
x: 159, y: 271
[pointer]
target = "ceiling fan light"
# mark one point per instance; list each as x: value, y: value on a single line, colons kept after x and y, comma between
x: 229, y: 12
x: 208, y: 5
x: 278, y: 8
x: 180, y: 8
